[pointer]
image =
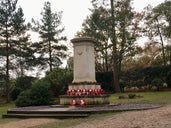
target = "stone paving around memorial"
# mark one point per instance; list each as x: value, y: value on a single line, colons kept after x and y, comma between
x: 117, y: 107
x: 151, y: 118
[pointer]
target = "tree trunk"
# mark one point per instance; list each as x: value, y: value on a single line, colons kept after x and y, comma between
x: 162, y: 43
x: 7, y: 83
x: 50, y: 56
x: 115, y: 55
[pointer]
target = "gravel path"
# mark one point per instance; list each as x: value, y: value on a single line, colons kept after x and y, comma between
x: 153, y: 118
x: 27, y: 123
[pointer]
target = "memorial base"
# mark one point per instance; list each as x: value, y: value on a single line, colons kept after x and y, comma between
x: 84, y: 86
x: 90, y: 99
x: 91, y: 93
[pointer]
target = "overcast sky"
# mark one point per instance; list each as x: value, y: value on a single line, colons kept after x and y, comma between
x: 74, y: 11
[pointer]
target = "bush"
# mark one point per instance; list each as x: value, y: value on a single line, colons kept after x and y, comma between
x: 23, y: 99
x: 15, y: 92
x: 39, y: 94
x: 106, y: 80
x: 157, y: 82
x: 168, y: 79
x: 144, y: 76
x: 59, y: 80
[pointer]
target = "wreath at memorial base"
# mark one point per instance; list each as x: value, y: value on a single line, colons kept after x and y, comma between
x: 82, y: 102
x: 79, y: 92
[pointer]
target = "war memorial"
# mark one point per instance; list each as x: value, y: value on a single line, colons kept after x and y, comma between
x: 84, y: 95
x: 84, y: 86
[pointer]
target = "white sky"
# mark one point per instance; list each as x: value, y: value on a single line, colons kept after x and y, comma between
x: 74, y: 11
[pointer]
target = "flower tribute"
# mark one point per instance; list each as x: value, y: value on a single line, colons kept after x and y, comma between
x: 82, y: 92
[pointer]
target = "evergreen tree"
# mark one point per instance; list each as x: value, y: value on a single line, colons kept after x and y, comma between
x: 13, y: 38
x: 49, y: 48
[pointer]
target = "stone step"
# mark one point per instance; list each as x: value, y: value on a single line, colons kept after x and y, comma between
x: 47, y: 112
x: 44, y: 115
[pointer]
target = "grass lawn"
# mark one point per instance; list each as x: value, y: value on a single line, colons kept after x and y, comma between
x: 3, y: 109
x: 147, y: 97
x: 5, y: 106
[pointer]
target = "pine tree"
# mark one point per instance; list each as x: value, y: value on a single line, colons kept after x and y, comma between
x: 49, y: 48
x: 13, y: 38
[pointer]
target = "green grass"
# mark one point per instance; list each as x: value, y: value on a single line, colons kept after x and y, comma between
x: 5, y: 106
x: 147, y: 97
x: 3, y: 109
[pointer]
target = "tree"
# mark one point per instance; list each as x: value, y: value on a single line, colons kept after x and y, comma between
x: 49, y: 49
x: 96, y: 26
x: 168, y: 53
x: 114, y: 46
x: 162, y: 12
x: 157, y: 25
x: 146, y: 56
x: 115, y: 32
x: 13, y: 38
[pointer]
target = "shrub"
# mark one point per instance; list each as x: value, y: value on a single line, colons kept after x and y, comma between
x: 15, y: 92
x: 157, y: 82
x: 59, y: 80
x: 39, y: 94
x: 23, y: 99
x: 168, y: 79
x: 106, y: 80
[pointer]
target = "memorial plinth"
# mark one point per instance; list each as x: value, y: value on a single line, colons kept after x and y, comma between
x: 84, y: 75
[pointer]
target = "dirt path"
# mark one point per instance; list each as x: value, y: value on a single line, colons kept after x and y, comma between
x: 26, y: 123
x: 153, y: 118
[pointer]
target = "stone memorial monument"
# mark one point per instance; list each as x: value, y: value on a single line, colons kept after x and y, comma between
x: 84, y: 66
x: 84, y: 85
